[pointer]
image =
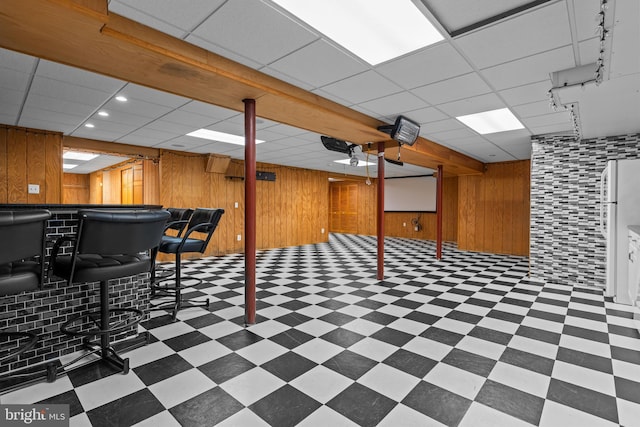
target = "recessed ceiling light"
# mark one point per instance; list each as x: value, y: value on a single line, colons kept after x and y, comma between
x: 220, y: 136
x: 103, y: 113
x: 374, y: 30
x: 492, y: 121
x: 68, y: 166
x: 89, y: 125
x: 121, y: 98
x: 360, y: 162
x: 79, y: 155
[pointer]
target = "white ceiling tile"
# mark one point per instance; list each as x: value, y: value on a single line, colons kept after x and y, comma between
x: 17, y: 61
x: 137, y: 107
x: 186, y: 118
x: 169, y: 127
x: 624, y: 59
x: 435, y: 63
x: 287, y: 78
x: 182, y: 14
x: 13, y: 80
x: 527, y: 93
x: 589, y: 51
x: 529, y: 70
x: 212, y: 111
x: 487, y: 153
x: 225, y: 53
x: 394, y: 105
x: 462, y: 13
x: 585, y: 12
x: 488, y: 47
x: 273, y: 34
x: 123, y: 118
x: 547, y: 119
x: 453, y: 89
x: 533, y: 109
x: 117, y: 128
x: 11, y: 97
x: 8, y: 112
x: 441, y: 126
x: 426, y: 115
x: 77, y: 77
x: 79, y: 110
x: 362, y: 87
x: 137, y: 92
x: 476, y: 104
x: 67, y: 91
x: 451, y: 135
x: 118, y: 7
x: 318, y: 64
x: 99, y: 134
x: 32, y: 112
x: 521, y: 136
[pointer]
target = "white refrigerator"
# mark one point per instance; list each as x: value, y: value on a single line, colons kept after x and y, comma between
x: 619, y: 208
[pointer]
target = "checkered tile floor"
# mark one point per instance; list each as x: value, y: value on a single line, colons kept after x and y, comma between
x: 469, y: 340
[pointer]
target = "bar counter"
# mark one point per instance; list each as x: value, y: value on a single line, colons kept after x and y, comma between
x: 43, y: 311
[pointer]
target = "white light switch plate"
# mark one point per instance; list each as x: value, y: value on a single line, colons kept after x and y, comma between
x: 34, y: 189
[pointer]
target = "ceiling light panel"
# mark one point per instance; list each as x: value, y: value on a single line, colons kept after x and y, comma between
x: 220, y: 136
x: 79, y: 155
x: 374, y: 30
x: 500, y: 120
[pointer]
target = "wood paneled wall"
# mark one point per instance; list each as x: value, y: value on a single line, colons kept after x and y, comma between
x: 352, y: 207
x: 494, y: 209
x: 353, y: 210
x: 293, y: 210
x: 30, y: 156
x: 75, y: 189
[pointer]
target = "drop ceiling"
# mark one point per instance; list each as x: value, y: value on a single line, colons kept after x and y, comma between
x: 501, y: 56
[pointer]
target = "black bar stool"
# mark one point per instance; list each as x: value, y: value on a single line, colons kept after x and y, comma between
x: 21, y: 269
x: 203, y: 221
x: 177, y: 223
x: 108, y: 245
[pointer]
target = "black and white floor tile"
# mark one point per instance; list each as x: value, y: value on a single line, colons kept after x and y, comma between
x: 469, y: 340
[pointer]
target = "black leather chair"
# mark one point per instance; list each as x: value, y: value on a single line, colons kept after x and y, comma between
x: 202, y: 221
x: 21, y: 268
x: 108, y: 245
x: 177, y: 222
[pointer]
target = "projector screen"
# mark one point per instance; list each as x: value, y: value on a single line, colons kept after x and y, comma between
x: 411, y: 194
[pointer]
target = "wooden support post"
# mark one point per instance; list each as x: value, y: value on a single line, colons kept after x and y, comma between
x: 250, y: 211
x: 380, y: 213
x: 439, y: 213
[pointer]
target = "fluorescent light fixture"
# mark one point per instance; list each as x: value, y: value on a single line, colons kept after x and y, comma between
x: 220, y: 136
x: 103, y: 113
x: 492, y: 121
x: 121, y: 98
x: 374, y: 30
x: 360, y: 162
x: 66, y: 166
x: 78, y: 155
x: 89, y: 125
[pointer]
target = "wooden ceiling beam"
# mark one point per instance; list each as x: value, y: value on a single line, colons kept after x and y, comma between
x: 82, y: 34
